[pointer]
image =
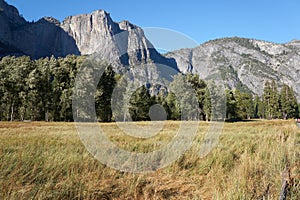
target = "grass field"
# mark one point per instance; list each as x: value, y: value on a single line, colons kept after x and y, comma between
x: 48, y: 161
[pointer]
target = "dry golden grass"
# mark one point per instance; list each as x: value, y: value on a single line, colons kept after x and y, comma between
x: 47, y: 161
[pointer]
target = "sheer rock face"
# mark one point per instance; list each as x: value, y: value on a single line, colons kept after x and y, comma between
x: 44, y: 38
x: 10, y: 19
x: 10, y: 15
x: 119, y: 43
x: 40, y: 39
x: 90, y: 31
x: 243, y: 63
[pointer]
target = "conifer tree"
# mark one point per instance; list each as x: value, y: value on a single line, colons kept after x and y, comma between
x: 288, y: 103
x: 173, y: 107
x: 186, y: 97
x: 207, y: 106
x: 271, y: 100
x: 231, y: 105
x: 259, y: 110
x: 244, y: 105
x: 140, y: 103
x: 104, y: 92
x: 201, y: 93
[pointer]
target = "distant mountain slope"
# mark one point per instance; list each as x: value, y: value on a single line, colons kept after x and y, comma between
x: 243, y: 63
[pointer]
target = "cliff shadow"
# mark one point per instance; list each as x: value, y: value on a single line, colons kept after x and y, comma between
x: 44, y: 38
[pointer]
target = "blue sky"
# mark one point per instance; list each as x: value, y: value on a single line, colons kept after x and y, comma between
x: 271, y: 20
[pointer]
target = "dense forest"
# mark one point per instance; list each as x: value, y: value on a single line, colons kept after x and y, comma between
x: 41, y: 90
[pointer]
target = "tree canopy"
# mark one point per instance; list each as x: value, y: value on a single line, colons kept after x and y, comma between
x: 42, y: 90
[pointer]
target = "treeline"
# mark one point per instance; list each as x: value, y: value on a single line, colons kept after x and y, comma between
x: 273, y: 104
x: 37, y: 89
x: 41, y: 90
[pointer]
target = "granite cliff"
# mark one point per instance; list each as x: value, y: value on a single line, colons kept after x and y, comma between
x: 95, y: 33
x: 243, y: 63
x: 122, y: 43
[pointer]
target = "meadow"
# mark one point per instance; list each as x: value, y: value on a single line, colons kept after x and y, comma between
x: 40, y: 160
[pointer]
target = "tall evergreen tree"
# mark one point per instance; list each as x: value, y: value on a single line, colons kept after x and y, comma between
x: 207, y: 106
x: 215, y: 101
x: 271, y: 100
x: 288, y: 103
x: 259, y: 110
x: 201, y: 93
x: 187, y: 99
x: 123, y: 91
x: 245, y: 109
x: 104, y: 92
x: 173, y: 107
x: 140, y: 103
x: 231, y: 105
x: 40, y: 82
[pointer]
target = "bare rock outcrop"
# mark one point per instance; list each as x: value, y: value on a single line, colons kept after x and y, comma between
x: 245, y: 64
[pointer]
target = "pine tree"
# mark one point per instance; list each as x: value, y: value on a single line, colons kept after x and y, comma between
x: 201, y: 92
x: 244, y: 105
x: 186, y: 97
x: 259, y: 110
x: 173, y: 107
x: 288, y: 102
x: 215, y: 101
x: 271, y: 100
x: 231, y: 105
x: 161, y: 99
x: 140, y: 103
x: 104, y: 92
x: 40, y: 82
x: 207, y: 106
x: 275, y: 100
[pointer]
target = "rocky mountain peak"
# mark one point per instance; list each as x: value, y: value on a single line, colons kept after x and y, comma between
x: 101, y: 13
x: 91, y: 31
x: 126, y: 25
x: 51, y: 20
x: 98, y: 16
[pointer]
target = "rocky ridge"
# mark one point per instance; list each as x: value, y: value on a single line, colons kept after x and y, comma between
x: 243, y: 63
